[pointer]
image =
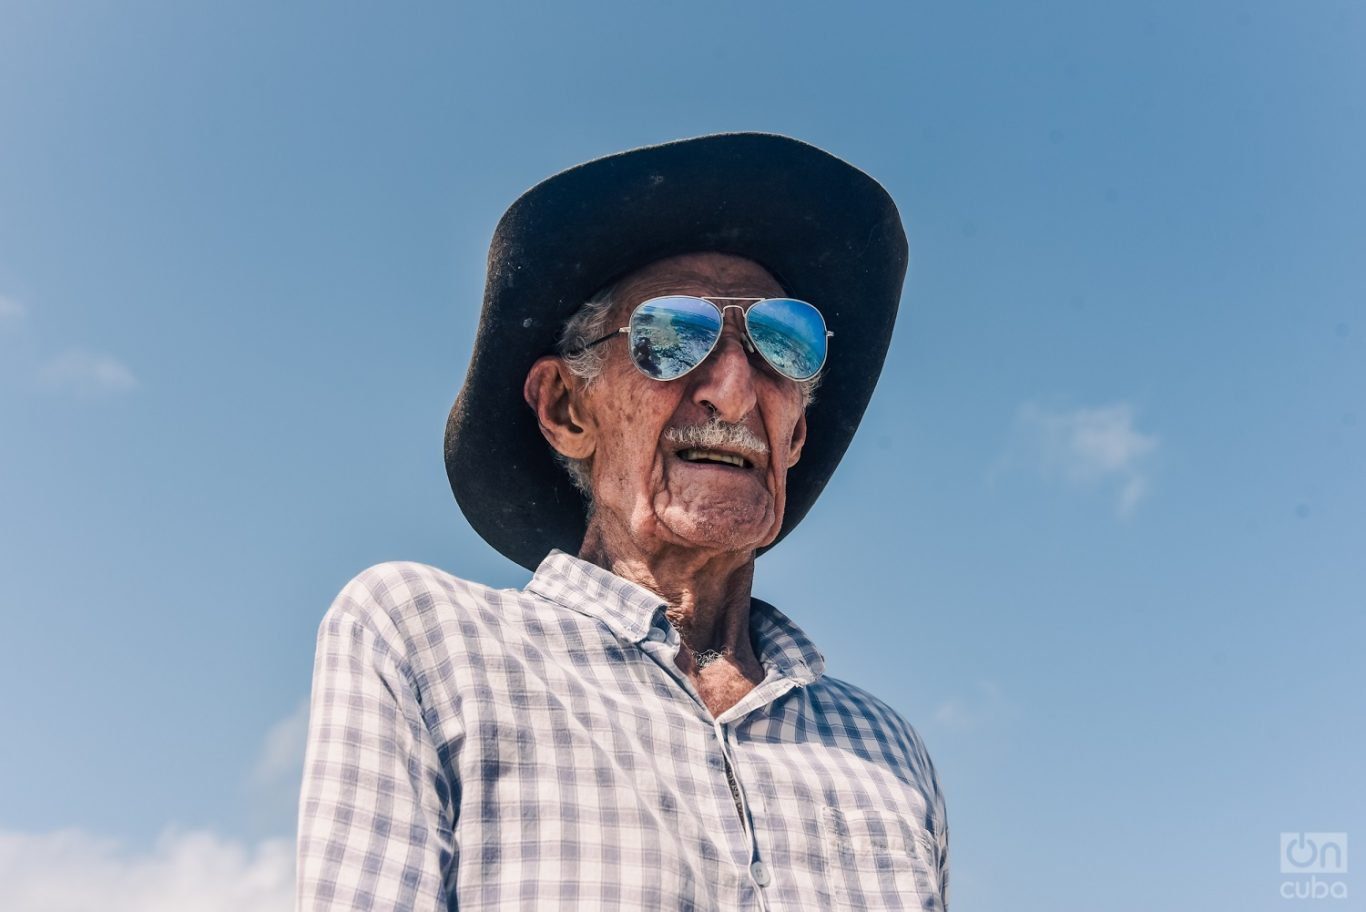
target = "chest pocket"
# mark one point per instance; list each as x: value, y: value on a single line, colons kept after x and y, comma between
x: 878, y: 860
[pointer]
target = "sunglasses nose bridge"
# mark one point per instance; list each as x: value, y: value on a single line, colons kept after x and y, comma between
x: 742, y: 327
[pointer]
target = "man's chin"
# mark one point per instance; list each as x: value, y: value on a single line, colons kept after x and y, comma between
x: 719, y: 530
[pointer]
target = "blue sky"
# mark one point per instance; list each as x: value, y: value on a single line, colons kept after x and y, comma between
x: 1099, y: 538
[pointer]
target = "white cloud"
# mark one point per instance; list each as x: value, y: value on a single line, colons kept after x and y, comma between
x: 282, y: 753
x: 10, y: 309
x: 87, y: 373
x: 185, y: 870
x: 73, y: 871
x: 1089, y: 447
x: 273, y: 784
x: 985, y: 705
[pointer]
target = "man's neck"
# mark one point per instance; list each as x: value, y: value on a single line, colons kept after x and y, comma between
x: 707, y: 593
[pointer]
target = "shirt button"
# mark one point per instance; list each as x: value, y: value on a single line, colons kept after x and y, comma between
x: 657, y: 635
x: 760, y: 872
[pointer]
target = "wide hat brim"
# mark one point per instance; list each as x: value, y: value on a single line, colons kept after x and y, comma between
x: 828, y: 233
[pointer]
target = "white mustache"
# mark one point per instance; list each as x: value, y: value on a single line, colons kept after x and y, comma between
x: 717, y: 435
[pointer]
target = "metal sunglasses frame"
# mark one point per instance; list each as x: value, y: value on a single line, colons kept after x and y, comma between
x: 721, y: 312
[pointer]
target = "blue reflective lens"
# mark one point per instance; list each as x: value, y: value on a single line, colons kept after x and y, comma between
x: 670, y: 336
x: 790, y: 334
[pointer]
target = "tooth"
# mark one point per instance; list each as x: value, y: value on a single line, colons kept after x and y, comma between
x: 694, y: 455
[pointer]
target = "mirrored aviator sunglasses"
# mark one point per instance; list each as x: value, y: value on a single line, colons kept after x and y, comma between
x: 671, y: 335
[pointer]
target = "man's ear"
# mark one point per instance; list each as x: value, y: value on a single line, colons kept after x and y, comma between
x: 550, y: 391
x: 798, y: 441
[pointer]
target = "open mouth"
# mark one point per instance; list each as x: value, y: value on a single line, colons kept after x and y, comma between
x: 715, y: 457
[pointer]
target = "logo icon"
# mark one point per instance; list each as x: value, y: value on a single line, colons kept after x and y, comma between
x: 1313, y: 853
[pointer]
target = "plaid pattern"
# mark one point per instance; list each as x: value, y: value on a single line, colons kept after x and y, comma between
x: 491, y: 749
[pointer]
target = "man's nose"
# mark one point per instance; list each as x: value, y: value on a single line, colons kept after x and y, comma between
x: 725, y: 382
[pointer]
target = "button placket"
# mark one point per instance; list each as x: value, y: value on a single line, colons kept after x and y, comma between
x: 759, y: 872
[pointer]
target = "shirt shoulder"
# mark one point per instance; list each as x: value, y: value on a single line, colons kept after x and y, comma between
x: 408, y: 606
x: 865, y: 702
x: 874, y: 719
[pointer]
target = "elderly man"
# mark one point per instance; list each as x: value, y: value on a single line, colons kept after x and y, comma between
x: 634, y: 730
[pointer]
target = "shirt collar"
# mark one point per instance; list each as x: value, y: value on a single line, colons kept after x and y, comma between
x: 630, y: 610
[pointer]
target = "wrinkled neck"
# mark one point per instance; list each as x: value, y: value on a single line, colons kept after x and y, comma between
x: 707, y: 593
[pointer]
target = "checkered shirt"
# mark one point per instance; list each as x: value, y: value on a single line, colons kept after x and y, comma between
x: 475, y: 748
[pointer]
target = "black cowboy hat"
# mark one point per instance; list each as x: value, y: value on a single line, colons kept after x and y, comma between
x: 828, y: 233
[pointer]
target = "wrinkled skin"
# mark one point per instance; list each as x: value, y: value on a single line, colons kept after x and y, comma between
x: 685, y: 530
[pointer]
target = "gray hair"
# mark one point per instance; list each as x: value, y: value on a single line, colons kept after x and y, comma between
x: 588, y: 324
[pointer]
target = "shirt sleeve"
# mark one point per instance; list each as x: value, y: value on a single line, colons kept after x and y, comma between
x: 934, y: 794
x: 944, y: 866
x: 374, y: 808
x: 941, y: 835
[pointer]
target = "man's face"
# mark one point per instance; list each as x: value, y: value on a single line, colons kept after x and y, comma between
x: 660, y: 492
